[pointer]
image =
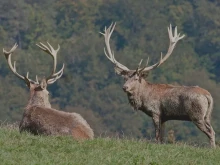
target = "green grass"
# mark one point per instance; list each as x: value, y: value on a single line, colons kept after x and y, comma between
x: 22, y: 149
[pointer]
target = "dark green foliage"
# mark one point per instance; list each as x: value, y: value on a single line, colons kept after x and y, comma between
x: 89, y: 85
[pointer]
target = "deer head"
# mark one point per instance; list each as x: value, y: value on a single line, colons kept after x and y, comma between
x: 38, y: 90
x: 135, y: 77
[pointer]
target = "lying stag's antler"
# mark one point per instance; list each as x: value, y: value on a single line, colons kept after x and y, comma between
x: 50, y: 50
x: 110, y: 55
x: 50, y: 79
x: 13, y: 68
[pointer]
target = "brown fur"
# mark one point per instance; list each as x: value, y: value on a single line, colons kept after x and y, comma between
x: 165, y: 102
x: 79, y: 133
x: 40, y: 118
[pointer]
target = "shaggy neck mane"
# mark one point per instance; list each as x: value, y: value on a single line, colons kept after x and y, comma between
x: 135, y: 98
x: 37, y: 100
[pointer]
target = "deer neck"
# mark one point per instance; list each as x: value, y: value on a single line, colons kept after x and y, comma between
x: 135, y: 98
x: 38, y: 99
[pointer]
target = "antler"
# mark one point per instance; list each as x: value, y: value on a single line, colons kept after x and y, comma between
x: 13, y: 68
x: 110, y: 55
x: 173, y: 41
x: 51, y: 51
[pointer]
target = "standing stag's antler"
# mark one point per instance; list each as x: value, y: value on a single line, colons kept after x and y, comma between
x: 110, y: 55
x: 51, y: 51
x: 173, y: 41
x: 13, y: 68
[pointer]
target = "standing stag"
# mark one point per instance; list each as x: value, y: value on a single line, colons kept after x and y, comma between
x: 164, y: 102
x: 39, y: 117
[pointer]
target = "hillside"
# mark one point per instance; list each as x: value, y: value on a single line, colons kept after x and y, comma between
x: 89, y: 85
x: 27, y: 149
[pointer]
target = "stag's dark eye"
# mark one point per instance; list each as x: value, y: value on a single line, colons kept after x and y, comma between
x: 125, y: 79
x: 130, y: 76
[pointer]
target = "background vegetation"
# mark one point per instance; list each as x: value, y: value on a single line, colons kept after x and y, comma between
x: 89, y: 85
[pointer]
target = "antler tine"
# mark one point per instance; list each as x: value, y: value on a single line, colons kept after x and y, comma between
x: 10, y: 51
x: 147, y: 61
x: 107, y: 36
x: 61, y: 70
x: 37, y: 80
x: 140, y: 70
x: 139, y: 65
x: 112, y: 59
x: 13, y: 67
x: 51, y: 48
x: 173, y: 41
x: 53, y: 53
x: 29, y: 80
x: 109, y: 54
x: 52, y: 80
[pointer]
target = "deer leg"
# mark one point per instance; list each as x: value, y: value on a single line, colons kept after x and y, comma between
x: 209, y: 126
x: 162, y: 130
x: 21, y: 127
x: 157, y: 125
x: 207, y: 129
x: 212, y: 132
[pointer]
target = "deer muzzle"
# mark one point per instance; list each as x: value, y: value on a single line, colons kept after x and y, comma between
x: 125, y: 88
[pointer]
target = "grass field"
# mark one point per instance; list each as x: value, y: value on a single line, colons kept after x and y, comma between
x: 26, y: 149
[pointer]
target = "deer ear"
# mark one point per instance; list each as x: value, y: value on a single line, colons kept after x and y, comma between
x: 43, y: 84
x: 121, y: 72
x: 27, y: 82
x: 144, y: 74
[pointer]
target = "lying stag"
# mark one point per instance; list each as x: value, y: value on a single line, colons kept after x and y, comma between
x: 39, y: 117
x: 164, y: 102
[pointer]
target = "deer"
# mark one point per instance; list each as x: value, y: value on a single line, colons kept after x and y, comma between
x: 163, y: 102
x: 38, y: 117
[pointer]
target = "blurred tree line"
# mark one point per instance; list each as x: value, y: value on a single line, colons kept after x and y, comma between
x: 89, y: 85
